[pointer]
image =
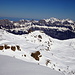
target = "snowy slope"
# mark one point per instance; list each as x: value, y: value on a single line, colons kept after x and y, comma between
x: 55, y: 54
x: 18, y: 67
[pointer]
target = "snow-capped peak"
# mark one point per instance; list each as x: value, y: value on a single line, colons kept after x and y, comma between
x: 11, y: 21
x: 22, y: 20
x: 52, y: 19
x: 70, y: 21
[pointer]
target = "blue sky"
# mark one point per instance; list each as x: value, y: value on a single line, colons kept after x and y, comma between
x: 38, y: 9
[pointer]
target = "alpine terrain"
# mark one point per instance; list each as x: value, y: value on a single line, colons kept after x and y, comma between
x: 56, y: 28
x: 48, y: 44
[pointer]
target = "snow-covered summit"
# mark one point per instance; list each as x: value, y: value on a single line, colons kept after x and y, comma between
x: 68, y: 20
x: 52, y: 20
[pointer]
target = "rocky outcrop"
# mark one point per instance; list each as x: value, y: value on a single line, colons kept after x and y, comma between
x: 36, y: 55
x: 13, y: 48
x: 1, y: 47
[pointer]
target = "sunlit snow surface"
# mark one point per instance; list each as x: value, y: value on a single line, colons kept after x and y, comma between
x: 61, y: 54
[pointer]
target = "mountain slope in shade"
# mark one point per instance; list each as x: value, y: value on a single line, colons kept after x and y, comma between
x: 17, y: 67
x: 39, y: 48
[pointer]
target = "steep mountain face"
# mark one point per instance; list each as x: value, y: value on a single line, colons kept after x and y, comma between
x: 56, y: 28
x: 39, y: 48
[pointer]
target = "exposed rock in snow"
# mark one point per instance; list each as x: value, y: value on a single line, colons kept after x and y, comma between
x: 55, y: 54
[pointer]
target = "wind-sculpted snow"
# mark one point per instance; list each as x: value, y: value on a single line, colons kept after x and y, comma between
x: 39, y: 48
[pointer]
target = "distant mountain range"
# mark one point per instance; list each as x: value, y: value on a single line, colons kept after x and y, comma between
x: 56, y: 28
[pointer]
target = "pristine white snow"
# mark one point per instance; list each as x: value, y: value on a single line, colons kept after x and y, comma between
x: 12, y: 66
x: 60, y: 54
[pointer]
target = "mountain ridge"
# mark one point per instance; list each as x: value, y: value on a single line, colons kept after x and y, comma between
x: 56, y: 28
